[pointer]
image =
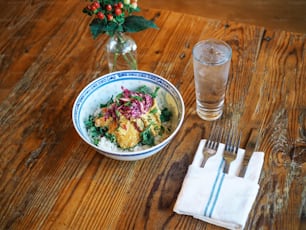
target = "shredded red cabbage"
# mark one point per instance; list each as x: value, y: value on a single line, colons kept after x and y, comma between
x: 130, y: 104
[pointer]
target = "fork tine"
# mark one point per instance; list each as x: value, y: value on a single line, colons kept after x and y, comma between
x: 209, y: 139
x: 231, y: 148
x: 218, y: 138
x: 238, y: 142
x: 233, y: 142
x: 228, y: 141
x: 212, y: 143
x: 214, y: 134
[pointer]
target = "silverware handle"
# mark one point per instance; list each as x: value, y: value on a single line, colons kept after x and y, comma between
x: 203, y: 163
x: 226, y: 168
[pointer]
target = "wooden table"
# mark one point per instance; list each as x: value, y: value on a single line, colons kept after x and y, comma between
x: 51, y: 179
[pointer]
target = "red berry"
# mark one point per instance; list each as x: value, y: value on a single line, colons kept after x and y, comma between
x: 96, y: 4
x: 93, y: 7
x: 118, y: 11
x: 120, y: 5
x: 110, y: 17
x: 108, y: 7
x: 100, y: 15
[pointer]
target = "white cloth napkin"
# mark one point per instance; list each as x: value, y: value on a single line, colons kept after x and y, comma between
x: 221, y: 199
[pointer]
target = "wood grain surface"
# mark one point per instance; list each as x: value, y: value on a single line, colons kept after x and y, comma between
x: 51, y: 179
x: 273, y: 14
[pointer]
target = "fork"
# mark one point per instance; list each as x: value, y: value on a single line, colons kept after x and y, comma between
x: 212, y: 143
x: 231, y: 149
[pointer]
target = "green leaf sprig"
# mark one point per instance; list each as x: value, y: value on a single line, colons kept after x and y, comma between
x: 113, y: 16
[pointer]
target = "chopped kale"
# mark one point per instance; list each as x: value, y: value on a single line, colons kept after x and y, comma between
x: 111, y: 137
x: 154, y: 94
x: 165, y: 115
x: 147, y: 137
x: 95, y: 133
x: 109, y: 102
x: 138, y: 98
x: 161, y: 130
x: 146, y: 90
x: 90, y: 122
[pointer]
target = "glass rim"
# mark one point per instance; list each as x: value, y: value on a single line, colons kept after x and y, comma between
x: 221, y: 62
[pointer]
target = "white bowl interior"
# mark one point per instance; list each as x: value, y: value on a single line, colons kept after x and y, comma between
x: 103, y: 88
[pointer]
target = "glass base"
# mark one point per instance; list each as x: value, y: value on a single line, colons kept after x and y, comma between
x: 209, y: 115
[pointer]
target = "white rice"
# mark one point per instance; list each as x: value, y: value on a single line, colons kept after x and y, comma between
x: 107, y: 144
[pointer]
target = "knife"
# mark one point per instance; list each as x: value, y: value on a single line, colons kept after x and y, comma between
x: 249, y: 149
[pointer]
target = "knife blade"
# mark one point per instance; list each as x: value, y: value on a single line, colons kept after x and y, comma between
x: 249, y: 149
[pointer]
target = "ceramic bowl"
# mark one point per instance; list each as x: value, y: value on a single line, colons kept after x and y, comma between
x: 100, y: 91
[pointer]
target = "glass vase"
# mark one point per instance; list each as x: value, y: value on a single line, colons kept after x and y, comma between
x: 121, y: 53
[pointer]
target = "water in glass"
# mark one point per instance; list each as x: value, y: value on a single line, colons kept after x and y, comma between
x: 211, y: 69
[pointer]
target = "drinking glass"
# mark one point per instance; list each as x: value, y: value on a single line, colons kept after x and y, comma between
x: 211, y: 62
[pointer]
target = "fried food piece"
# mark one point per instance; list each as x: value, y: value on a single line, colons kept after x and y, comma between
x: 127, y: 135
x: 152, y: 119
x: 110, y: 123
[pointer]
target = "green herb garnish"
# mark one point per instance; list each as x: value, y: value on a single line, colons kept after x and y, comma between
x: 109, y: 102
x: 94, y: 132
x: 111, y: 137
x: 138, y: 98
x: 146, y: 90
x: 165, y: 115
x: 147, y: 137
x: 153, y: 111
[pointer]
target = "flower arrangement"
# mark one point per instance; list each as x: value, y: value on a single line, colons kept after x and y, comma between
x: 111, y: 16
x: 115, y: 17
